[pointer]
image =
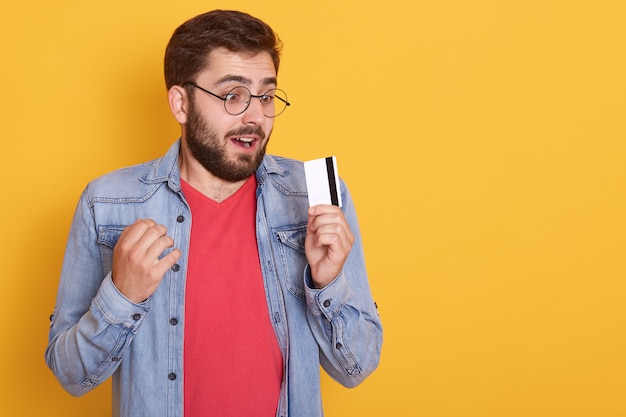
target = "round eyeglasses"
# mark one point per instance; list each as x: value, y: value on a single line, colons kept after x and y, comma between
x: 237, y: 100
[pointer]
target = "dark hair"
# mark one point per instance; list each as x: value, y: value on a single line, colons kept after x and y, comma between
x: 191, y: 43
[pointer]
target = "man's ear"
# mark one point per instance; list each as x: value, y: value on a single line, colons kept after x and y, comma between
x: 179, y: 103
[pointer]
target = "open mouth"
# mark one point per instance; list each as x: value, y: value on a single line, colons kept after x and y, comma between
x: 244, y: 142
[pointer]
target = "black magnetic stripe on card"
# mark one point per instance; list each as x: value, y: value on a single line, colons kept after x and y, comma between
x: 330, y: 169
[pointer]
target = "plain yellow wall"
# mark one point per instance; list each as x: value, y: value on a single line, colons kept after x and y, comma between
x: 483, y: 141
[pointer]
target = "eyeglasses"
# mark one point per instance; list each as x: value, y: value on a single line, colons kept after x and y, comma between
x: 237, y: 100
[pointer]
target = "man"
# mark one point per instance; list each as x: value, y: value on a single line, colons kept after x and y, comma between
x: 202, y: 281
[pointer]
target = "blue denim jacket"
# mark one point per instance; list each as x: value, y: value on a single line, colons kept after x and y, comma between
x: 95, y: 332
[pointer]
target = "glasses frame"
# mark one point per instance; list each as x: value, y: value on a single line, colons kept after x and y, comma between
x: 287, y: 103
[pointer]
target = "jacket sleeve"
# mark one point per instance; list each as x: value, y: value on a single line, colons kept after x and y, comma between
x: 93, y: 322
x: 343, y: 316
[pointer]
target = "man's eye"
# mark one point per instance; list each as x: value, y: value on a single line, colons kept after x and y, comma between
x: 232, y: 97
x: 266, y: 99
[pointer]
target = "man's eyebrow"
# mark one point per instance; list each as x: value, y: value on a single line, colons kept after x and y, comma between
x: 233, y: 78
x: 243, y: 80
x: 269, y: 81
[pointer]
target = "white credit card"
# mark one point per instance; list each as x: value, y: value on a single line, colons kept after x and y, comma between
x: 322, y: 181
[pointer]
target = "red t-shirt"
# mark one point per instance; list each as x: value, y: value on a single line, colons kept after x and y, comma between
x: 233, y: 365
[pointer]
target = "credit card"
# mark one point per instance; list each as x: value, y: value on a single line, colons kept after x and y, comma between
x: 322, y: 181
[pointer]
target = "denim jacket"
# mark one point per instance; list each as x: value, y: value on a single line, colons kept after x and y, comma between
x: 96, y: 332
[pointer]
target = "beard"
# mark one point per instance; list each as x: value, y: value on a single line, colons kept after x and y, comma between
x: 209, y: 149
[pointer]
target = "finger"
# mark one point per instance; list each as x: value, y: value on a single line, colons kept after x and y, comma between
x: 330, y: 228
x: 323, y: 209
x: 135, y: 231
x: 143, y: 243
x: 328, y: 221
x: 157, y: 247
x: 325, y: 233
x: 165, y: 263
x: 152, y: 232
x: 333, y: 241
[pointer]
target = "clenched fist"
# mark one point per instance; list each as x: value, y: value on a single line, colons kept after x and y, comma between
x: 137, y: 269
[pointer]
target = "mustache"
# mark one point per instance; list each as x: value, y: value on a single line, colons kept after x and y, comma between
x: 247, y: 130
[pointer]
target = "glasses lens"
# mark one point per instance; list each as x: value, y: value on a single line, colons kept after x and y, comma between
x: 237, y: 100
x: 274, y: 102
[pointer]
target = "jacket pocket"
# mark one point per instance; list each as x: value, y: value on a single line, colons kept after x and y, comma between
x: 108, y: 235
x: 292, y: 257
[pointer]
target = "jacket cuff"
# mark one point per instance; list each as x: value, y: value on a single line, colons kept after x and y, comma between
x: 117, y: 309
x: 329, y: 300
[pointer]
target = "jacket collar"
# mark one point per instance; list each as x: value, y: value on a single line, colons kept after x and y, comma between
x: 166, y: 169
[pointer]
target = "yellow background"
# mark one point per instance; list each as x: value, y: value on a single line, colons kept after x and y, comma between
x: 483, y: 141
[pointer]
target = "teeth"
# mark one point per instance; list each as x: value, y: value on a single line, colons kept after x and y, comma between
x: 247, y: 142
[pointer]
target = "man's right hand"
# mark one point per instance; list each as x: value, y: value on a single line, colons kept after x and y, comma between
x: 137, y: 269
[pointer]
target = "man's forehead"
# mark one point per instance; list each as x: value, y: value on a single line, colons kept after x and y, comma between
x: 239, y: 62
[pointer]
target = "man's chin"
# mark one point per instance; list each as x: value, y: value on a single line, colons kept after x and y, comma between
x: 243, y: 168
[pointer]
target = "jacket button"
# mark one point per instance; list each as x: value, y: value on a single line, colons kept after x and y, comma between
x: 338, y: 345
x: 136, y: 316
x: 175, y: 267
x: 171, y: 376
x: 180, y: 219
x: 326, y: 303
x: 173, y: 321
